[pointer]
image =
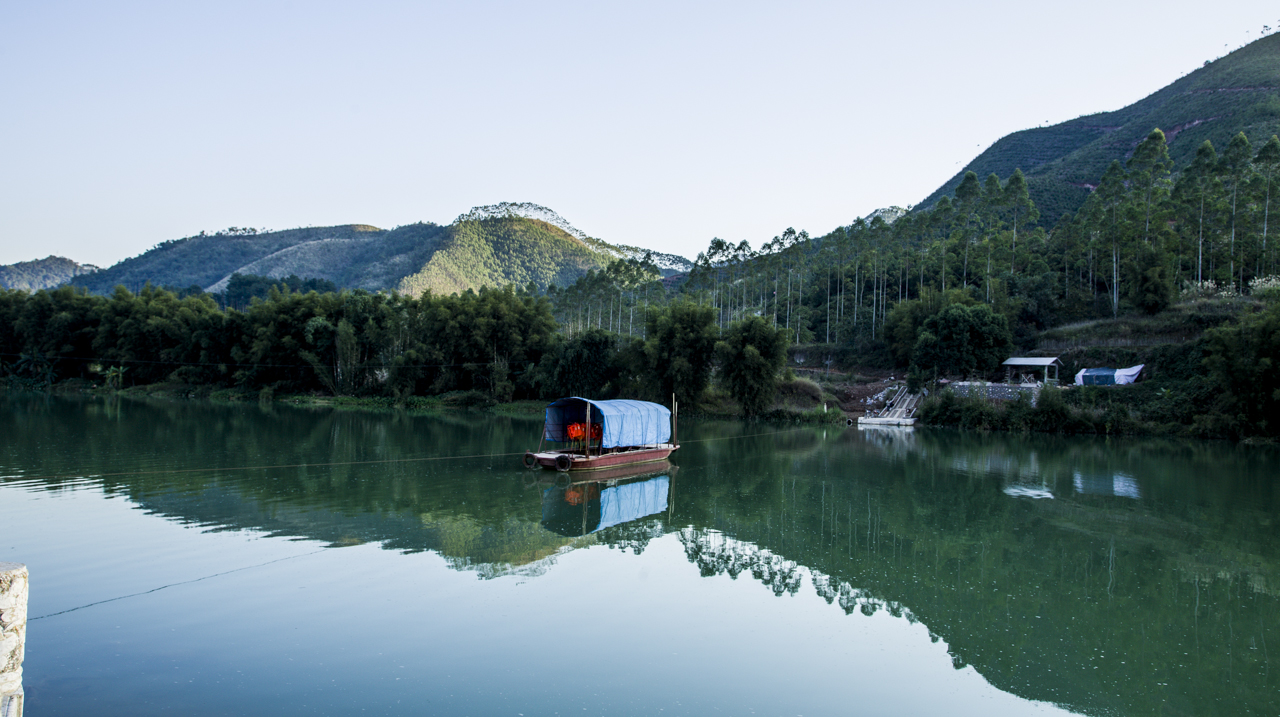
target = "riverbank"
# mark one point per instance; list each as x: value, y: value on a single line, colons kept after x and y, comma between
x: 716, y: 405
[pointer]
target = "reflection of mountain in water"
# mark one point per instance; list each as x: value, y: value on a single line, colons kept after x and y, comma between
x: 1140, y: 587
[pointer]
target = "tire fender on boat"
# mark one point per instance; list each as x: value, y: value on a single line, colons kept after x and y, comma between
x: 530, y: 460
x: 563, y: 463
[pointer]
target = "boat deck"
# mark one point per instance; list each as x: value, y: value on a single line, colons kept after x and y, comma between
x: 577, y: 461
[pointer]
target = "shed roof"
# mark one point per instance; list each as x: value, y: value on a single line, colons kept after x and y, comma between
x: 1032, y: 361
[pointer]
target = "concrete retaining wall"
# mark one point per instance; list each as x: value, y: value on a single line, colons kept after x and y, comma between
x: 996, y: 391
x: 13, y: 636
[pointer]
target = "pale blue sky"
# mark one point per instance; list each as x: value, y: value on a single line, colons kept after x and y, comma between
x: 658, y: 124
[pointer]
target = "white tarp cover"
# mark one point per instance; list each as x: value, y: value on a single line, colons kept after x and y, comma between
x: 1108, y: 376
x: 626, y: 422
x: 1128, y: 375
x: 632, y: 501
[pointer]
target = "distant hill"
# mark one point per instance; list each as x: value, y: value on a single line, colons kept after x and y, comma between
x: 503, y: 250
x: 43, y: 273
x: 488, y: 246
x: 353, y: 255
x: 1236, y: 93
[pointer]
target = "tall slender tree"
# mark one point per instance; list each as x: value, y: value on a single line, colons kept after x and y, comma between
x: 1017, y: 199
x: 1267, y: 162
x: 1193, y: 188
x: 1149, y: 175
x: 1234, y: 166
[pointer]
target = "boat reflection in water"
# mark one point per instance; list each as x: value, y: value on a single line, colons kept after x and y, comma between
x: 583, y: 507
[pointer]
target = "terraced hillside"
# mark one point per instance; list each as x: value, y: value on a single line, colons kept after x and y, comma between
x: 1236, y: 93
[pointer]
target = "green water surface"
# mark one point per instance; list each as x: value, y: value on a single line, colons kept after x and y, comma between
x: 189, y: 558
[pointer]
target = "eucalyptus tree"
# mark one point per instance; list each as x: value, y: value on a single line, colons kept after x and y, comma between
x: 1234, y: 168
x: 1193, y: 187
x: 969, y: 196
x: 1110, y: 196
x: 1149, y: 169
x: 1267, y: 162
x: 1017, y: 199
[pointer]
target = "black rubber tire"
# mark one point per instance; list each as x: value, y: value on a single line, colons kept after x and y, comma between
x: 848, y: 421
x: 563, y: 463
x: 530, y: 460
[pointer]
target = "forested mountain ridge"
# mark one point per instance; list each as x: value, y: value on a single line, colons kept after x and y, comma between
x: 488, y: 246
x: 40, y: 274
x: 1062, y: 163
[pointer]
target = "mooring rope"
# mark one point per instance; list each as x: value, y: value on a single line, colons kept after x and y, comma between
x: 274, y: 466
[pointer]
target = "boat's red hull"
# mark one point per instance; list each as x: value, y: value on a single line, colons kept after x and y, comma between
x: 579, y: 462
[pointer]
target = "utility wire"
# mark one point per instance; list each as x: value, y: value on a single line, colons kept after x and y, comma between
x: 170, y: 585
x: 314, y: 552
x: 215, y: 364
x: 336, y: 463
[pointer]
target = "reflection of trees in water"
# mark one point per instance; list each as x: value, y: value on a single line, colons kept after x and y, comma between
x: 633, y: 536
x: 1159, y: 596
x: 716, y: 554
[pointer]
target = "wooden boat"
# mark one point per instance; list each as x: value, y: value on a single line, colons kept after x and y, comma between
x: 580, y: 434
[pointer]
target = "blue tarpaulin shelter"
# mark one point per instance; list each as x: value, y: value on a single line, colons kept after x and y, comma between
x: 1108, y: 376
x: 625, y: 422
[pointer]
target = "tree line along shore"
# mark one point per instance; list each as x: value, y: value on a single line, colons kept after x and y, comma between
x: 1175, y: 270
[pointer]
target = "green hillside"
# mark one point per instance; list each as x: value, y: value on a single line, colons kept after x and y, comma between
x: 40, y: 274
x: 354, y: 255
x: 1236, y: 93
x: 504, y: 250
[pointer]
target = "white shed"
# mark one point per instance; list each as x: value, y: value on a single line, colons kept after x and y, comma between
x: 1019, y: 364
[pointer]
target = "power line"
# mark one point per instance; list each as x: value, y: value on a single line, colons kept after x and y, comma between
x: 256, y: 365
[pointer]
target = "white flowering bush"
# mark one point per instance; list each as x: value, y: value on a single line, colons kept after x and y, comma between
x: 1265, y: 287
x: 1207, y: 289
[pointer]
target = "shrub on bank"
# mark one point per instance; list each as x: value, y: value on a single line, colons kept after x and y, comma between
x: 1053, y: 412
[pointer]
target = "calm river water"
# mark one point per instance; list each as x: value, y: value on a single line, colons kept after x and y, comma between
x: 196, y: 559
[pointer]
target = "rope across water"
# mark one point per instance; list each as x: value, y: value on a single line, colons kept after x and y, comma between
x: 383, y: 461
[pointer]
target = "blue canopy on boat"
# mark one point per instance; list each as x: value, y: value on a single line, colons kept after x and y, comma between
x: 625, y: 422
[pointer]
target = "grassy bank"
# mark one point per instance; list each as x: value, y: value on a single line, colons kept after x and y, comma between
x: 791, y: 407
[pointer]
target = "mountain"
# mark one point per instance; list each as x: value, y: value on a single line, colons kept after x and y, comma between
x: 43, y: 273
x: 500, y: 250
x: 493, y: 245
x: 1236, y: 93
x: 353, y: 255
x: 888, y: 215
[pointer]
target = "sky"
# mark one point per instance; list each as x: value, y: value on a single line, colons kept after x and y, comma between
x: 657, y: 124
